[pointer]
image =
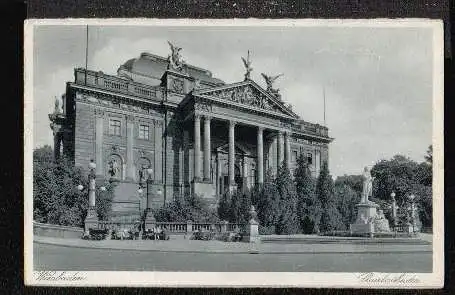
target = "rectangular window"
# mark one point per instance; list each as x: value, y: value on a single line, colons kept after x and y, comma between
x: 294, y: 156
x: 309, y: 158
x: 144, y: 132
x: 114, y: 127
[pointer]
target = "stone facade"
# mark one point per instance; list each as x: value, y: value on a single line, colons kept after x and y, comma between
x: 197, y: 133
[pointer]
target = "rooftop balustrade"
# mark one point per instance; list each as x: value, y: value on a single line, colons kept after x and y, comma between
x: 100, y: 80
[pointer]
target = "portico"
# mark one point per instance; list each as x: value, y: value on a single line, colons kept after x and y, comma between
x: 246, y: 125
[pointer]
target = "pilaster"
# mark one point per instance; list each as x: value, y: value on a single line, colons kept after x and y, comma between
x: 99, y: 131
x: 231, y: 158
x: 207, y: 150
x: 130, y: 170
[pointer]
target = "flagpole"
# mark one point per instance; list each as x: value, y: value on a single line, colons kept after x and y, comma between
x: 86, y: 55
x: 323, y: 94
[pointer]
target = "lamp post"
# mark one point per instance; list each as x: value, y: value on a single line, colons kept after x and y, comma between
x: 91, y: 219
x: 411, y: 199
x: 149, y: 218
x: 394, y: 210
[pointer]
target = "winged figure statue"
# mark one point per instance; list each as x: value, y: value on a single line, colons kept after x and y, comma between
x: 247, y: 64
x: 269, y: 80
x: 175, y: 59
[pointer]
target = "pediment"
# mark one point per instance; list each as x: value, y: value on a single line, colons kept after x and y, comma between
x: 247, y: 93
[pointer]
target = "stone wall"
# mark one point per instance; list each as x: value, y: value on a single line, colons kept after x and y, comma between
x: 57, y: 231
x: 84, y: 137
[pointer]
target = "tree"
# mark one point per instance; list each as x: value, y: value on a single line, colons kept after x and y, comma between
x: 355, y: 182
x: 268, y: 205
x: 288, y: 222
x: 308, y: 207
x: 348, y: 191
x: 330, y: 217
x: 192, y: 207
x: 224, y: 207
x: 346, y: 199
x: 405, y: 177
x: 56, y: 199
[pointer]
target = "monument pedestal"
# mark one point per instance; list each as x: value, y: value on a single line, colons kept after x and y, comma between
x: 252, y: 232
x: 91, y: 221
x: 366, y: 215
x: 150, y: 220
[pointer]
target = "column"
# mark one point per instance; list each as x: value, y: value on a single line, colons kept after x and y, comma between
x: 246, y: 184
x: 218, y: 174
x: 287, y: 149
x: 99, y: 129
x: 260, y: 154
x: 197, y: 147
x: 231, y: 153
x: 207, y: 146
x: 280, y: 150
x: 130, y: 171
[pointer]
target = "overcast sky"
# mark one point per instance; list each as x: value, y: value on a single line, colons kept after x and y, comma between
x: 378, y: 81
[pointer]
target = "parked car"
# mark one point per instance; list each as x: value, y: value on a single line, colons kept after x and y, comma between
x: 155, y: 234
x: 203, y: 235
x: 97, y: 234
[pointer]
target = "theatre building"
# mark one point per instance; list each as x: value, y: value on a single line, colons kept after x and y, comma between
x: 198, y: 134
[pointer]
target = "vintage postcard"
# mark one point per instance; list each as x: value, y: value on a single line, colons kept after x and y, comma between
x: 304, y: 153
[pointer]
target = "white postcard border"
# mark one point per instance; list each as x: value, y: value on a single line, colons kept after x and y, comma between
x: 231, y: 279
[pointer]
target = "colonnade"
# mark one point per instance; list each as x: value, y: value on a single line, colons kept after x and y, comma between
x: 283, y: 152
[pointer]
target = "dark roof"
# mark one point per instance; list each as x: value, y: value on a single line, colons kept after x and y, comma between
x: 154, y: 66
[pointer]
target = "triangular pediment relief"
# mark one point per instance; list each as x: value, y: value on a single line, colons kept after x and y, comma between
x: 247, y: 93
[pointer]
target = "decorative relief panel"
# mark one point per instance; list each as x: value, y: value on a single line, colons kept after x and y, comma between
x: 107, y: 101
x: 176, y: 85
x: 99, y: 113
x: 203, y: 106
x: 246, y: 94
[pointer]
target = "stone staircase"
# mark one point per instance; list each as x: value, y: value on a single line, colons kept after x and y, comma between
x: 127, y: 206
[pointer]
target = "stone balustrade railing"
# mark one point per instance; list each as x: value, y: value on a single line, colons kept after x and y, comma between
x: 116, y: 84
x: 310, y: 128
x: 176, y: 227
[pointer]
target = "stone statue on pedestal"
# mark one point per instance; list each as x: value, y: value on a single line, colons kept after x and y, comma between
x: 366, y: 209
x: 57, y: 109
x: 247, y: 64
x: 114, y: 168
x: 367, y: 186
x: 269, y: 80
x: 175, y: 59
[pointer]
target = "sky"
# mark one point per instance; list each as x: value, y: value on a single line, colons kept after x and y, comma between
x: 377, y: 81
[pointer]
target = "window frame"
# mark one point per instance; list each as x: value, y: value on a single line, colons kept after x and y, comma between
x: 113, y: 128
x: 143, y: 134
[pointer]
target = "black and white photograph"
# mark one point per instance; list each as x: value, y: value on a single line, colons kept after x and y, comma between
x: 234, y: 153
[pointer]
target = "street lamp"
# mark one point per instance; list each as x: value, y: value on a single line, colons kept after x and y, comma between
x: 149, y: 218
x: 92, y: 218
x: 411, y: 199
x: 394, y: 210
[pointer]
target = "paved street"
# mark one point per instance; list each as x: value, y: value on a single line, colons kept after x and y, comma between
x: 350, y: 258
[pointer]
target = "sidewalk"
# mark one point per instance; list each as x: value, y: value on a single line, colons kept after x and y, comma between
x: 218, y: 247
